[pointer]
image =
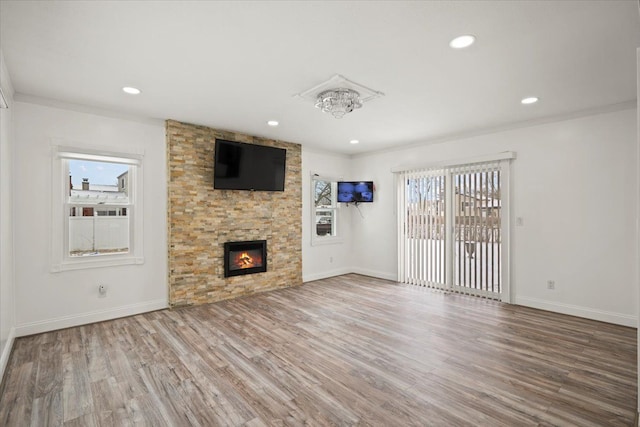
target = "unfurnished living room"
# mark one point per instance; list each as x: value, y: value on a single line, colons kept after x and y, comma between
x: 287, y: 213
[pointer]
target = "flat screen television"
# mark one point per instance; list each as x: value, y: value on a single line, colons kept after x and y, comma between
x: 241, y: 166
x: 355, y: 191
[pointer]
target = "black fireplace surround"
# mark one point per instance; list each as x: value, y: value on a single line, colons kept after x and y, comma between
x: 245, y: 257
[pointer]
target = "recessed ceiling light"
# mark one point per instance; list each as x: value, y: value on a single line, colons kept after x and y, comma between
x: 462, y: 41
x: 529, y: 100
x: 131, y: 90
x: 273, y: 123
x: 354, y: 141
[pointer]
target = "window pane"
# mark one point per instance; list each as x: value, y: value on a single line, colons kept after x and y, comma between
x: 323, y: 196
x: 98, y: 234
x: 101, y: 228
x: 98, y: 182
x: 325, y: 207
x: 325, y: 222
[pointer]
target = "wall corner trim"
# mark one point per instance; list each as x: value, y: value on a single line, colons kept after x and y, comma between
x: 6, y: 352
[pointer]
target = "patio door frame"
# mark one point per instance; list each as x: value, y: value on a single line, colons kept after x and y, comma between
x: 504, y: 160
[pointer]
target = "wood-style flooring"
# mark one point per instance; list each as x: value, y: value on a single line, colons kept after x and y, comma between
x: 349, y: 350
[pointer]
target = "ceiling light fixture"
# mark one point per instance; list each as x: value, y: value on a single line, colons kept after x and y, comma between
x: 462, y: 41
x: 529, y: 100
x: 339, y: 95
x: 273, y: 123
x: 338, y: 101
x: 354, y: 141
x: 131, y: 90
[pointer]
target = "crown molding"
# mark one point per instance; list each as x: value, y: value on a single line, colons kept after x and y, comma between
x: 611, y: 108
x: 54, y: 103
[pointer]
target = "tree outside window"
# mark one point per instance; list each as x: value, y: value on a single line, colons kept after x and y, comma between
x: 325, y: 206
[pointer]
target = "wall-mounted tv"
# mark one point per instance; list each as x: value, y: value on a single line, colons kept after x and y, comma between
x: 241, y: 166
x: 355, y: 191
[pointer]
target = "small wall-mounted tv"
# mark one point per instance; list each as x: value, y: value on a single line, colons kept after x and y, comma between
x: 355, y: 191
x: 241, y: 166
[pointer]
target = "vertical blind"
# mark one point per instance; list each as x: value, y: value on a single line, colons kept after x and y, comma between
x: 449, y: 225
x: 421, y: 227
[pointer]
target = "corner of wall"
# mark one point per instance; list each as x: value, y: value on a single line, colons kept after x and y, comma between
x: 5, y: 80
x: 7, y: 285
x: 638, y: 221
x: 6, y: 352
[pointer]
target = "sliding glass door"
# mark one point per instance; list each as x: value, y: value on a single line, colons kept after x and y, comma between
x: 423, y: 260
x: 477, y: 214
x: 451, y: 229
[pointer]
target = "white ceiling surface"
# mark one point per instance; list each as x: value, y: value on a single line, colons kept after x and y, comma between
x: 235, y: 65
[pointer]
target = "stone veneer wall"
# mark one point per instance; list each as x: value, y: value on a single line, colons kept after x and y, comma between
x: 201, y: 219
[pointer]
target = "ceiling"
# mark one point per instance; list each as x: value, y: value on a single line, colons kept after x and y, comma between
x: 235, y: 65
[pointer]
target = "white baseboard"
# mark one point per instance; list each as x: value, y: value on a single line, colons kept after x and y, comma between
x: 373, y: 273
x: 6, y: 352
x: 325, y: 274
x: 86, y: 318
x: 340, y: 272
x: 575, y: 310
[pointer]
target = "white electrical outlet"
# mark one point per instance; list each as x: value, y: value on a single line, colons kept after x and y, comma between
x: 551, y: 284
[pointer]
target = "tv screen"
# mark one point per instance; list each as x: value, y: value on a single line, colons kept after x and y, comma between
x: 240, y: 166
x: 355, y: 191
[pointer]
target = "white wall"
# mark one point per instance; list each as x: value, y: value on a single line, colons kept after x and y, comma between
x: 638, y: 219
x: 324, y: 260
x: 45, y: 300
x: 573, y: 183
x: 7, y: 311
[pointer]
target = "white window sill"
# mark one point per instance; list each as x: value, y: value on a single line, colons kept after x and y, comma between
x: 329, y: 240
x: 97, y: 262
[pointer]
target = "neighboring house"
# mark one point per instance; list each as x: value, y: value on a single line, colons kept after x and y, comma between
x: 123, y: 183
x: 477, y: 217
x: 107, y: 195
x: 466, y: 205
x: 477, y: 205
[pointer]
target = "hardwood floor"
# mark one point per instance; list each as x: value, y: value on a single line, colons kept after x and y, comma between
x: 350, y: 350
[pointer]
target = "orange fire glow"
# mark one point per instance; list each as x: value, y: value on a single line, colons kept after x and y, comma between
x: 245, y: 260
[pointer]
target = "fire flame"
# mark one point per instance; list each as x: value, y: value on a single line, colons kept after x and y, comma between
x: 246, y: 259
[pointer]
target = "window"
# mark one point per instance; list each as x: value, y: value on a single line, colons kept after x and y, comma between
x: 466, y: 249
x: 100, y: 209
x: 325, y: 207
x: 325, y: 210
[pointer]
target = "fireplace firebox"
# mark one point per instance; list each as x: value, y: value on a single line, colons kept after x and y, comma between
x: 245, y: 257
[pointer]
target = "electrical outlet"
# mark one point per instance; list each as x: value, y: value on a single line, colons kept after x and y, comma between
x: 551, y: 284
x: 102, y: 291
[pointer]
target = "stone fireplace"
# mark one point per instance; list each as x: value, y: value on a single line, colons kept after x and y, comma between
x: 245, y: 257
x: 202, y: 219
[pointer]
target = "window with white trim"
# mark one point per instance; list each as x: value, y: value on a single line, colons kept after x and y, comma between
x: 97, y: 210
x: 325, y: 209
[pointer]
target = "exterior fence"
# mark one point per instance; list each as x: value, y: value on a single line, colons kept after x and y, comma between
x: 467, y: 228
x: 98, y: 233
